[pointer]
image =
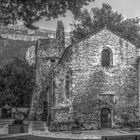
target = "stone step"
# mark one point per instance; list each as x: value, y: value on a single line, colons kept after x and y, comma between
x: 27, y: 122
x: 38, y: 126
x: 6, y: 121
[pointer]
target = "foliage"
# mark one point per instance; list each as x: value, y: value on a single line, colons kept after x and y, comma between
x: 98, y: 18
x: 127, y: 92
x: 16, y: 83
x: 126, y: 113
x: 30, y: 11
x: 13, y: 48
x: 128, y: 89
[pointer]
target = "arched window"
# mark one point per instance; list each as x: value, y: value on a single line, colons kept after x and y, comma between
x: 67, y: 85
x: 107, y: 58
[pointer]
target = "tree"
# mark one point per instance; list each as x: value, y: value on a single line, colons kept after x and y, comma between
x: 30, y: 11
x: 100, y: 17
x: 16, y: 83
x: 60, y: 35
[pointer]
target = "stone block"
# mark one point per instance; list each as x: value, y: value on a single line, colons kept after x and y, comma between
x: 18, y: 128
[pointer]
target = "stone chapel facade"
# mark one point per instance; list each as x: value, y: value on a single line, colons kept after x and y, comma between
x: 95, y: 80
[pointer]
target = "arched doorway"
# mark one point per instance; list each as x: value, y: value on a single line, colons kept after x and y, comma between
x: 105, y: 118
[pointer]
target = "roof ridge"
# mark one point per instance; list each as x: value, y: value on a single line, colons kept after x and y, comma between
x: 90, y: 34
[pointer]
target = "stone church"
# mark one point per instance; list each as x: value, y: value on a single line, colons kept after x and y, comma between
x: 94, y: 80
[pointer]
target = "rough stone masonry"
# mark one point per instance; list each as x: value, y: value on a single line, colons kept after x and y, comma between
x: 95, y: 80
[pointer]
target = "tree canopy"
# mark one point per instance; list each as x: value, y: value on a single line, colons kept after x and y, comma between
x: 98, y: 18
x: 30, y: 11
x: 16, y: 83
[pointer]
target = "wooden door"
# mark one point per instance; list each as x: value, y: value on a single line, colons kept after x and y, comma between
x: 105, y: 118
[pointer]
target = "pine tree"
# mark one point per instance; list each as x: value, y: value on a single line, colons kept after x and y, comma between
x: 60, y: 35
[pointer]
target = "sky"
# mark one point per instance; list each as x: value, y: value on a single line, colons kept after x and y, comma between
x: 128, y: 8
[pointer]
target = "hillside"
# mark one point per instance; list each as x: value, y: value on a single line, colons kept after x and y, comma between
x: 13, y: 48
x: 15, y: 42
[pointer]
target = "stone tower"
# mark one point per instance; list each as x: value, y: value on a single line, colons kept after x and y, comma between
x: 48, y: 52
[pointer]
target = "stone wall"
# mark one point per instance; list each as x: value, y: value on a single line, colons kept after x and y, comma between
x: 47, y: 49
x: 90, y: 82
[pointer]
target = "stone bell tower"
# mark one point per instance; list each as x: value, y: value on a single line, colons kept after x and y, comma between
x: 47, y: 54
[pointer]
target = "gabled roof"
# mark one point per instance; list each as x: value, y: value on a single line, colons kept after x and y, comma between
x: 104, y: 28
x: 89, y: 35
